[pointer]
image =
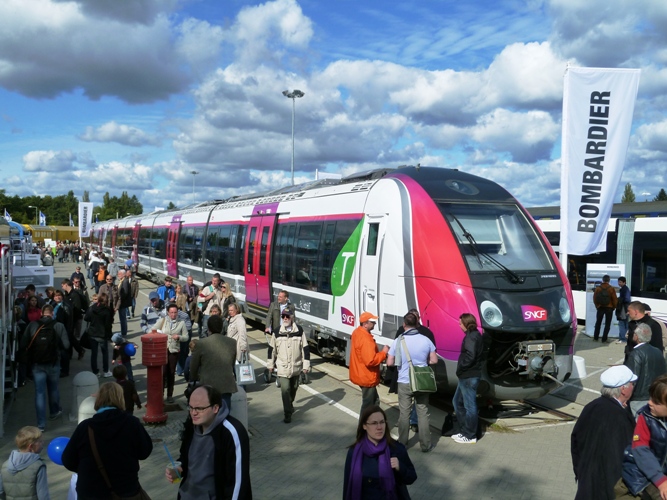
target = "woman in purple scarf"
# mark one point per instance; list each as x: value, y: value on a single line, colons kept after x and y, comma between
x: 377, y: 467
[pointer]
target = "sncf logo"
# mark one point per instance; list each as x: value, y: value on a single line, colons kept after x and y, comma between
x: 346, y: 316
x: 533, y: 313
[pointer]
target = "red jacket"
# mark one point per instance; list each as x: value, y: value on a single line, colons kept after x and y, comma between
x: 365, y: 359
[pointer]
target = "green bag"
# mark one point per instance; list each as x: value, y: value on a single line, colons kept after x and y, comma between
x: 422, y: 378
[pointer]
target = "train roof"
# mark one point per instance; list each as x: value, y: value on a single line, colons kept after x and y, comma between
x: 619, y: 210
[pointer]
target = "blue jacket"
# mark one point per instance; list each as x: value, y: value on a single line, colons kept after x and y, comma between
x: 646, y: 464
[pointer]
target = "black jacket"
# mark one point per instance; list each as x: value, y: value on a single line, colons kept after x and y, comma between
x: 125, y: 293
x: 121, y: 442
x: 656, y: 333
x: 229, y: 441
x: 470, y: 359
x: 647, y: 363
x: 100, y: 320
x: 603, y: 431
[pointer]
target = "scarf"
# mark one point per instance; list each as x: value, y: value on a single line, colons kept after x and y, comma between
x: 366, y: 448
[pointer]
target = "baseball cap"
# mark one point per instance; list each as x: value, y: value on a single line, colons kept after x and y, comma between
x: 286, y: 312
x: 153, y: 295
x: 617, y: 376
x: 366, y: 316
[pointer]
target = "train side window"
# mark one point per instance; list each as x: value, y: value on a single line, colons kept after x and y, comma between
x: 186, y: 245
x: 226, y: 253
x: 263, y: 250
x: 278, y: 264
x: 241, y: 231
x: 159, y: 241
x: 373, y: 232
x: 327, y: 258
x: 307, y: 246
x: 212, y: 235
x: 197, y: 246
x: 251, y: 249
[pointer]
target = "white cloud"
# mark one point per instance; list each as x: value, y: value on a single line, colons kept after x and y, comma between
x: 49, y: 161
x: 122, y: 134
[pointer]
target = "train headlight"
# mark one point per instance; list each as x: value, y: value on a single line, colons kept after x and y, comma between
x: 491, y: 313
x: 564, y: 310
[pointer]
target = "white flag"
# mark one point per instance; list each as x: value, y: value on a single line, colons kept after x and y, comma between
x: 42, y: 219
x: 598, y: 104
x: 85, y: 218
x: 7, y: 216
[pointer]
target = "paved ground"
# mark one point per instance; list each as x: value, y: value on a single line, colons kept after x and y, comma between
x: 519, y: 458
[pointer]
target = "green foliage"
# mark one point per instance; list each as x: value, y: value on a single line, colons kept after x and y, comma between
x: 114, y: 207
x: 58, y: 208
x: 628, y: 194
x: 662, y: 195
x: 171, y: 206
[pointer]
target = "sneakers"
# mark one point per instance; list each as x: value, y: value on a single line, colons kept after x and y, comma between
x: 429, y: 449
x: 619, y: 341
x: 56, y: 415
x: 456, y: 436
x: 464, y: 440
x: 108, y: 375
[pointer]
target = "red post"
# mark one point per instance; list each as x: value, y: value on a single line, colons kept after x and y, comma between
x: 154, y: 357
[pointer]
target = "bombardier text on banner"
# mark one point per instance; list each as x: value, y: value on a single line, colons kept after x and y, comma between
x: 85, y: 218
x: 598, y: 104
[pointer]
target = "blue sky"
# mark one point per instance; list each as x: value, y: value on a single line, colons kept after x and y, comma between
x: 98, y: 97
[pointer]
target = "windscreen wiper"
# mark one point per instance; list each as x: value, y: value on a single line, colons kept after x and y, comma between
x: 513, y: 277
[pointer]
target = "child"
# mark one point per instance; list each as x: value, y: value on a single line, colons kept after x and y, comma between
x: 25, y: 467
x: 644, y: 461
x: 119, y: 352
x: 129, y: 390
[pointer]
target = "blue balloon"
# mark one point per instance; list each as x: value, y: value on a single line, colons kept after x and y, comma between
x: 55, y: 449
x: 130, y: 350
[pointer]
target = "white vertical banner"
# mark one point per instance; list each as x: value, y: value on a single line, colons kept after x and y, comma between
x: 598, y: 104
x: 85, y: 218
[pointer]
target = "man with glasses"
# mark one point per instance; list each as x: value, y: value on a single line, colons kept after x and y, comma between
x: 215, y: 451
x: 604, y: 429
x: 78, y: 275
x: 111, y: 290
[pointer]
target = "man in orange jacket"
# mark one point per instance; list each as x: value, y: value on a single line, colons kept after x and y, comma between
x: 365, y: 361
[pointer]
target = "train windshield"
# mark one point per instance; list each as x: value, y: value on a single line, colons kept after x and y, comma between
x: 496, y: 237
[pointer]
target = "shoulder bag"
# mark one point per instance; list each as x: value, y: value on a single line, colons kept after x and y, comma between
x: 245, y: 373
x: 141, y: 495
x: 422, y: 378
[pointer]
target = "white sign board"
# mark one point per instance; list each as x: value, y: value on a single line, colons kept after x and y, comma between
x: 41, y: 277
x: 594, y: 274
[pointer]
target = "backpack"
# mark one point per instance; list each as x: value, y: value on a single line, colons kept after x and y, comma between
x: 43, y: 347
x: 603, y: 297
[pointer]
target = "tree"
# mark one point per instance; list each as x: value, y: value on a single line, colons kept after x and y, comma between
x: 662, y: 195
x: 114, y: 207
x: 628, y: 194
x: 171, y: 206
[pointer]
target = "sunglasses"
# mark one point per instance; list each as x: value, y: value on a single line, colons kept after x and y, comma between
x: 285, y: 316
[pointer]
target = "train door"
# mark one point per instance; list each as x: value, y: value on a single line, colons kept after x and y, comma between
x: 114, y: 234
x: 172, y: 246
x: 370, y: 268
x: 134, y: 251
x: 259, y: 237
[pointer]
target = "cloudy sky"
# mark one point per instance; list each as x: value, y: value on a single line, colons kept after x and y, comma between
x: 103, y: 95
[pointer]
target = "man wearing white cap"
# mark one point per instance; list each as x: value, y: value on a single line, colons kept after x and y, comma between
x: 603, y: 431
x: 365, y: 360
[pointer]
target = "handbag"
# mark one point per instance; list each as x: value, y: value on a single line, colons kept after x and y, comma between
x: 245, y: 373
x: 141, y: 495
x: 85, y: 339
x: 422, y: 378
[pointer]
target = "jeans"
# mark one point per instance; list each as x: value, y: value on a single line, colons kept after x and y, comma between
x: 203, y: 331
x: 46, y: 379
x: 122, y: 317
x: 405, y: 400
x: 622, y: 329
x: 606, y: 313
x: 134, y: 305
x: 369, y: 397
x: 288, y: 387
x: 183, y: 355
x: 104, y: 345
x: 465, y: 406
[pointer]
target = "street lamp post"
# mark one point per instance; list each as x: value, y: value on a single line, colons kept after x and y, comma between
x: 36, y: 214
x: 194, y: 174
x: 294, y: 95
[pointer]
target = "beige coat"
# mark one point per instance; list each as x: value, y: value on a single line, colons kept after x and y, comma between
x: 291, y: 354
x: 168, y: 327
x: 237, y: 331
